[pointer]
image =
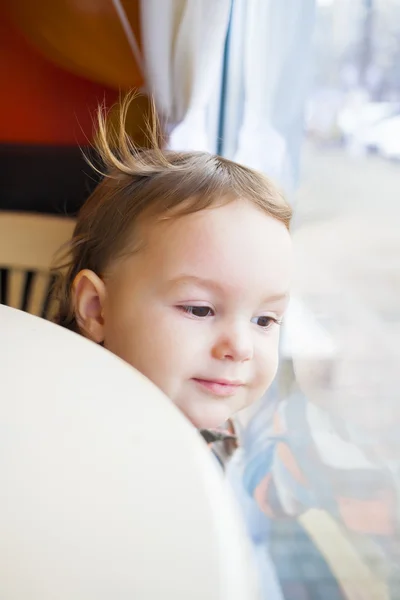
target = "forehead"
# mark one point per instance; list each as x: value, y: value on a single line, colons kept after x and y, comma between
x: 236, y: 245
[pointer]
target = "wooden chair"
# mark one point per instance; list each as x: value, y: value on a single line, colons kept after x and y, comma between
x: 28, y: 243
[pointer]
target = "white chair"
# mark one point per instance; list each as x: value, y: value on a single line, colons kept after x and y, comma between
x: 107, y: 492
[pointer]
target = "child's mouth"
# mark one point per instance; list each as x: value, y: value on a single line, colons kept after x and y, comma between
x: 219, y: 387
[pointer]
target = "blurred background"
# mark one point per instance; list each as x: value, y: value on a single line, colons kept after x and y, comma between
x: 307, y: 91
x: 352, y: 113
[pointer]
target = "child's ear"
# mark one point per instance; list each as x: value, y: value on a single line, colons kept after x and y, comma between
x: 89, y: 294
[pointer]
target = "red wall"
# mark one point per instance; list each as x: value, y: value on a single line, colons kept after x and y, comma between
x: 39, y: 102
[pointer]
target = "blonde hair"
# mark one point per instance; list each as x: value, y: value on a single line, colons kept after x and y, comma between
x: 151, y: 184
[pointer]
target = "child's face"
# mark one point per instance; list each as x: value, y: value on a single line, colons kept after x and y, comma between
x: 196, y: 309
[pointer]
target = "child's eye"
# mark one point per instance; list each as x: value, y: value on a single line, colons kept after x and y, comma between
x: 199, y: 312
x: 265, y: 322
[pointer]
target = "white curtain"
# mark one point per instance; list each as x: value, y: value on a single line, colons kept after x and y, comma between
x: 276, y: 41
x: 183, y: 48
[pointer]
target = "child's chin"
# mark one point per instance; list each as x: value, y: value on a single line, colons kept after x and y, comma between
x: 208, y: 421
x: 205, y: 412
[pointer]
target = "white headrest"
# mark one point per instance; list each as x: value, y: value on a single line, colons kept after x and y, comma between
x: 107, y: 492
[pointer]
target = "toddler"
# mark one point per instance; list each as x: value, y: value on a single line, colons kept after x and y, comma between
x: 180, y: 265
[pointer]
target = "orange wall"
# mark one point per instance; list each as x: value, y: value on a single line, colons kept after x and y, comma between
x: 39, y: 102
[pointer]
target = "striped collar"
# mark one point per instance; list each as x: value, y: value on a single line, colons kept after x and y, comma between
x: 223, y: 441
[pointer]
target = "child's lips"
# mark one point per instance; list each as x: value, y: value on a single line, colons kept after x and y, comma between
x: 219, y: 387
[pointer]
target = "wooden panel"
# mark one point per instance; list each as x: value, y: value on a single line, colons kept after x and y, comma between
x: 29, y: 241
x: 38, y: 293
x: 28, y: 244
x: 15, y: 287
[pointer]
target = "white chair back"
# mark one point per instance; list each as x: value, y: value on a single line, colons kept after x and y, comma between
x: 107, y: 491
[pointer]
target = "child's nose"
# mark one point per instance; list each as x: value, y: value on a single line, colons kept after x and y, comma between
x: 234, y: 344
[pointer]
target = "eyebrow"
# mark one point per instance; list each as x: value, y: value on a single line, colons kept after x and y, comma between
x: 211, y: 284
x: 192, y: 279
